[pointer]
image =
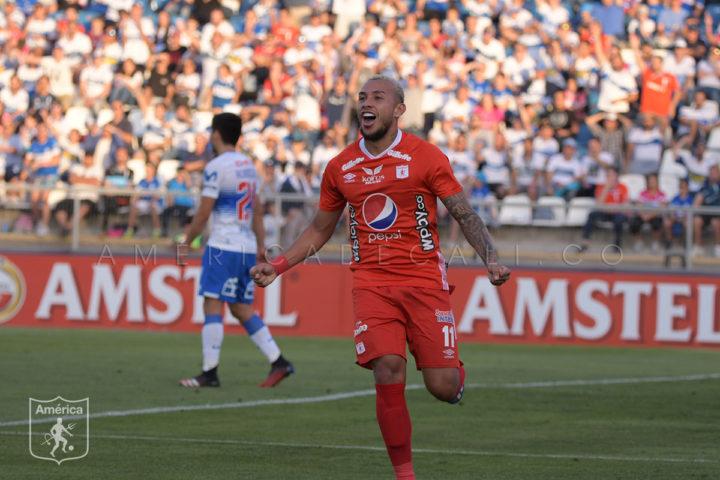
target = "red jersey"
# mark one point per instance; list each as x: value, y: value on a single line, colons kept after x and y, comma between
x: 657, y: 92
x: 392, y: 206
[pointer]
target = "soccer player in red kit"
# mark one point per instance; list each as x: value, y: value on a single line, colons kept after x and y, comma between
x: 390, y: 180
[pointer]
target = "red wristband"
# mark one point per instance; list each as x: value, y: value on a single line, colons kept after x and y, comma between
x: 280, y: 264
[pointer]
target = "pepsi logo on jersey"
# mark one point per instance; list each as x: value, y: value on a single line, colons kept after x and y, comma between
x: 379, y: 212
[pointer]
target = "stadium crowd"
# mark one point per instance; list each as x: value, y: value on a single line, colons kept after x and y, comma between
x: 527, y: 99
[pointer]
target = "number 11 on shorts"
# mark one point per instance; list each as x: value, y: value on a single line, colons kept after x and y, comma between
x: 449, y: 332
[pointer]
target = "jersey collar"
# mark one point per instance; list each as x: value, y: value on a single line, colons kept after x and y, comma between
x: 398, y: 137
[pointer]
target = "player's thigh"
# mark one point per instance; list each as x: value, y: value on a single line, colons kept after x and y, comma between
x: 379, y: 325
x: 432, y: 338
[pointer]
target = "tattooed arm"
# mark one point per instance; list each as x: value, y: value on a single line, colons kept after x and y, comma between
x: 477, y: 235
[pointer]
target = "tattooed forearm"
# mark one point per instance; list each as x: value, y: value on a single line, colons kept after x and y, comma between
x: 472, y: 226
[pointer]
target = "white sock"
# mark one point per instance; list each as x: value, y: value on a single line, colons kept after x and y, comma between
x: 212, y: 337
x: 265, y: 342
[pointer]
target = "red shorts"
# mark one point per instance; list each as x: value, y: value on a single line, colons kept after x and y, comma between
x: 388, y: 317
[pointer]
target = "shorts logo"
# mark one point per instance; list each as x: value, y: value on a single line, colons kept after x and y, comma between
x: 449, y: 353
x: 359, y: 328
x: 62, y: 429
x: 379, y: 212
x: 402, y: 171
x: 12, y: 289
x: 360, y: 348
x: 445, y: 316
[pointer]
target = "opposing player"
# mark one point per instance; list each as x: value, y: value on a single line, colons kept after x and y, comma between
x: 236, y: 235
x: 390, y: 181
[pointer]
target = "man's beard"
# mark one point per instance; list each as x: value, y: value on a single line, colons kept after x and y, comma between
x: 373, y: 137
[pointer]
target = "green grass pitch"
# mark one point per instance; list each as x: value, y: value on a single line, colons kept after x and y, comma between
x: 523, y: 415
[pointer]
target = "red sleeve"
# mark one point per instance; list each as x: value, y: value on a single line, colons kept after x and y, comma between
x: 440, y: 177
x: 331, y: 198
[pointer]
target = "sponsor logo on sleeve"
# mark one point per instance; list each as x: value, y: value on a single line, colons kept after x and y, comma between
x: 354, y: 241
x: 422, y: 226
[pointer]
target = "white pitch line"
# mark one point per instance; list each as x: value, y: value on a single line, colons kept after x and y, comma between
x: 560, y: 456
x: 366, y: 393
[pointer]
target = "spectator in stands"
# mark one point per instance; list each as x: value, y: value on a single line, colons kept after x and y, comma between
x: 644, y: 147
x: 83, y: 176
x: 76, y: 46
x: 494, y: 162
x: 708, y: 196
x: 564, y: 172
x: 295, y: 212
x: 544, y: 147
x: 561, y: 118
x: 617, y: 85
x: 159, y: 86
x: 136, y: 31
x: 594, y: 163
x: 611, y: 17
x: 697, y: 164
x: 611, y: 136
x: 523, y: 175
x: 177, y: 206
x: 117, y: 176
x: 661, y: 91
x: 127, y: 84
x: 490, y: 117
x: 110, y: 49
x: 11, y: 151
x: 456, y: 112
x: 146, y: 205
x: 158, y: 133
x: 672, y: 19
x: 325, y: 151
x: 654, y: 197
x: 697, y: 120
x: 41, y: 168
x: 58, y: 70
x: 674, y: 221
x: 462, y: 159
x: 95, y: 84
x: 612, y: 193
x: 15, y: 99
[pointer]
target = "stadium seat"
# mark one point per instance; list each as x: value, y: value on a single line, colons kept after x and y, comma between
x: 104, y: 117
x: 77, y: 117
x: 167, y: 169
x: 137, y: 165
x: 578, y: 211
x: 669, y: 185
x: 554, y: 205
x: 202, y: 121
x: 668, y: 165
x: 634, y: 182
x: 516, y: 210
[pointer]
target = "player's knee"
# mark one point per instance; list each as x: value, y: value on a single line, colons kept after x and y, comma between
x: 443, y: 387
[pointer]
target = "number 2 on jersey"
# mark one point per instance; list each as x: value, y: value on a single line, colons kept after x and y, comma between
x: 245, y: 204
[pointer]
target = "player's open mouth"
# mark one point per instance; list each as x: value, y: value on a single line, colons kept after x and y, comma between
x: 368, y: 119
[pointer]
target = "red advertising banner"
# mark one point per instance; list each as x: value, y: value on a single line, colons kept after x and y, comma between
x: 573, y: 307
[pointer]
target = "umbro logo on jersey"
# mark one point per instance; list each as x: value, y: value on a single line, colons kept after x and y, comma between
x: 401, y: 156
x: 352, y: 163
x: 373, y: 175
x: 349, y: 177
